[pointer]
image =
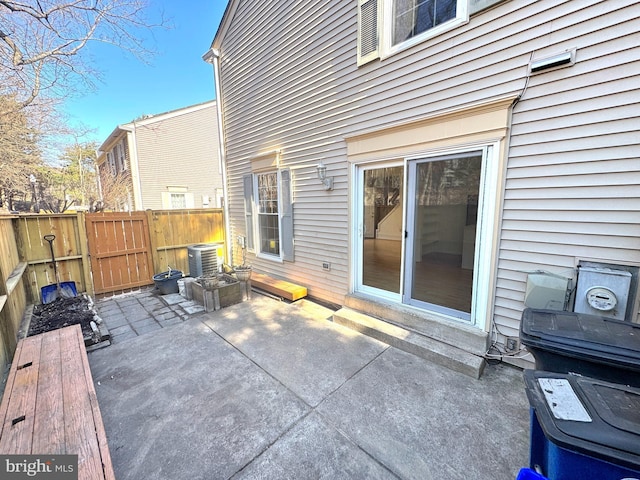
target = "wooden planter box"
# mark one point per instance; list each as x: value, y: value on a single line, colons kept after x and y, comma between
x: 228, y: 292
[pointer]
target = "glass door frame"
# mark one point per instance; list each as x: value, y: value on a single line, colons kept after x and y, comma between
x: 483, y: 286
x: 358, y: 240
x: 487, y: 235
x: 411, y: 237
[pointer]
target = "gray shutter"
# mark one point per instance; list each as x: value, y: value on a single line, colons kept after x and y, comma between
x: 286, y: 215
x: 368, y: 31
x: 248, y: 209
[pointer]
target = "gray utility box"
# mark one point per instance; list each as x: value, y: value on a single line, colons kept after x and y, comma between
x: 603, y: 291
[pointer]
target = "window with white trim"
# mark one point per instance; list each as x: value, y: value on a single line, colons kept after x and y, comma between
x: 411, y: 18
x: 268, y: 222
x: 121, y: 153
x: 112, y: 163
x: 178, y: 200
x: 389, y: 26
x: 177, y: 197
x: 269, y: 213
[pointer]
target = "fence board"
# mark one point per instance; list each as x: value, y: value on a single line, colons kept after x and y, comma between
x: 172, y: 231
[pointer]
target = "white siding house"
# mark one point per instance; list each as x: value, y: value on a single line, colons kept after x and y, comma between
x: 465, y: 147
x: 170, y: 159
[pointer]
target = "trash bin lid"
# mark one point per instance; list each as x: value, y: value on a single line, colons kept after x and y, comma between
x: 586, y: 336
x: 596, y: 418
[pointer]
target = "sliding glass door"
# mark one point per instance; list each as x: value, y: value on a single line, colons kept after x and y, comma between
x: 418, y: 224
x: 442, y: 214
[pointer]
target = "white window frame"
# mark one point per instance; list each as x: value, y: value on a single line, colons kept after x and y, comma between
x: 175, y: 196
x: 122, y: 160
x: 172, y: 191
x: 388, y: 49
x: 382, y: 16
x: 285, y: 214
x: 112, y: 163
x: 258, y: 232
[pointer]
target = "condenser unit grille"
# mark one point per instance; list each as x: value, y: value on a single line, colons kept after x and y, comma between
x: 203, y: 259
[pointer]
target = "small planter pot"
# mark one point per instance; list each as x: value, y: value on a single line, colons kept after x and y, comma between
x: 243, y: 273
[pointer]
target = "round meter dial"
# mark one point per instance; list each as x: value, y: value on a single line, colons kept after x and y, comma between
x: 601, y: 298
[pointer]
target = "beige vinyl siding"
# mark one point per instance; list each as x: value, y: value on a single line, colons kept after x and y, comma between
x: 289, y: 104
x: 290, y: 81
x: 572, y: 190
x: 178, y: 149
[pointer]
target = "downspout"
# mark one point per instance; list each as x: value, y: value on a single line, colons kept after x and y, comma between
x: 213, y: 57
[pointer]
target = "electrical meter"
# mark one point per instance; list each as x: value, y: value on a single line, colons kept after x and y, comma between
x: 601, y: 298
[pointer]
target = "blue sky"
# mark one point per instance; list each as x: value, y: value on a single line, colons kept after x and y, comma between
x: 176, y: 77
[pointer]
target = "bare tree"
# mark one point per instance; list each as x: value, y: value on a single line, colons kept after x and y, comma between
x: 20, y: 156
x: 115, y: 190
x: 42, y: 42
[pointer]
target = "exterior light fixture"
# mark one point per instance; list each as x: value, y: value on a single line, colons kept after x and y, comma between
x: 322, y: 176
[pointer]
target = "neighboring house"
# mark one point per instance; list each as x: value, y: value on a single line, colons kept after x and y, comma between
x: 166, y: 161
x: 462, y: 146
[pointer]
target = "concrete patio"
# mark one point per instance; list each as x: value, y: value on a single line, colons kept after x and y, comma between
x: 270, y: 390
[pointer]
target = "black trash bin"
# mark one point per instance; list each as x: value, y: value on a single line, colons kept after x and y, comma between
x: 589, y: 345
x: 582, y: 427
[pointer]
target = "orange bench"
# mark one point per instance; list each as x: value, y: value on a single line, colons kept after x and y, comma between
x: 50, y: 406
x: 281, y: 288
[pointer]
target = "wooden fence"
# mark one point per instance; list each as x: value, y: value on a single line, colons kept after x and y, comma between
x: 12, y: 290
x: 26, y: 267
x: 69, y: 246
x: 172, y: 231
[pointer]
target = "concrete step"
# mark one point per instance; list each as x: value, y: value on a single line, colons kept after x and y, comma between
x: 412, y: 342
x: 438, y: 327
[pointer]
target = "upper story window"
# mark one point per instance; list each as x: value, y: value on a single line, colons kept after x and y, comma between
x: 112, y: 164
x: 413, y: 17
x: 121, y: 154
x: 389, y: 26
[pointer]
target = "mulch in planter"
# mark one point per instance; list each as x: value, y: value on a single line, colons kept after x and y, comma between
x: 60, y: 313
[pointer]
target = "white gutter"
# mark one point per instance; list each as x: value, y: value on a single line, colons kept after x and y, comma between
x: 212, y: 56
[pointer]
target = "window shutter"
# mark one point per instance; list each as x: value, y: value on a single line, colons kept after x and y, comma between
x: 248, y: 209
x: 189, y: 200
x: 286, y: 218
x: 166, y: 200
x: 368, y: 37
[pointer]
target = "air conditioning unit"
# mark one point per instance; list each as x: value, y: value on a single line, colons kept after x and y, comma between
x: 203, y: 259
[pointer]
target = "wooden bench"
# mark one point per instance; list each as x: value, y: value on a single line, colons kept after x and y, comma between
x: 50, y: 406
x: 281, y: 288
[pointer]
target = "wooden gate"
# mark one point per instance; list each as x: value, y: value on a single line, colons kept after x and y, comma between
x: 120, y: 250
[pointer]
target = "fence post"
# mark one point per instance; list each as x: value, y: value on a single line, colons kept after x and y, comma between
x: 153, y: 242
x: 84, y: 251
